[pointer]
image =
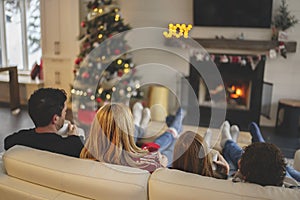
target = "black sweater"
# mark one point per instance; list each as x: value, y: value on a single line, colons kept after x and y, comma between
x: 52, y: 142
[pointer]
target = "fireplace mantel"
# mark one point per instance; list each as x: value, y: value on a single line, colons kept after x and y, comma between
x: 240, y: 46
x: 251, y: 45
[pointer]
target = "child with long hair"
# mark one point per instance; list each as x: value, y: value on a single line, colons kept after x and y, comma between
x: 111, y: 140
x: 192, y: 154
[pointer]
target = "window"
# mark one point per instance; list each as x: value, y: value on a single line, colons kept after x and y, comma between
x: 20, y: 33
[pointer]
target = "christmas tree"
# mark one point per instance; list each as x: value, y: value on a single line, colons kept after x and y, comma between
x: 102, y: 72
x: 283, y: 19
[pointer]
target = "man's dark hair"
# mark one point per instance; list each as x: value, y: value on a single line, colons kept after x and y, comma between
x: 44, y: 103
x: 263, y: 164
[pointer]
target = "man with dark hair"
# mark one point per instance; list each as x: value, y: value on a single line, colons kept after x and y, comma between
x: 47, y: 108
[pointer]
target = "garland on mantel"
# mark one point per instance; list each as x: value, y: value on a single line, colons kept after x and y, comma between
x: 243, y: 60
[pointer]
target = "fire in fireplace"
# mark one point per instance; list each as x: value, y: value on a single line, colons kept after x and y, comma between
x: 238, y: 93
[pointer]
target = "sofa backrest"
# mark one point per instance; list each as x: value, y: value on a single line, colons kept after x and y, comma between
x: 81, y: 177
x: 174, y: 184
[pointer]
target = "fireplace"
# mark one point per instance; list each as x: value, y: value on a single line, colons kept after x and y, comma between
x: 243, y: 84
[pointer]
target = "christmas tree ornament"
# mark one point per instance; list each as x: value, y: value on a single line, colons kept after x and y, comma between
x: 121, y: 92
x: 82, y: 24
x: 95, y: 44
x: 85, y: 75
x: 120, y: 73
x: 89, y: 91
x: 78, y: 61
x: 99, y: 100
x: 99, y: 65
x: 134, y: 93
x: 117, y: 51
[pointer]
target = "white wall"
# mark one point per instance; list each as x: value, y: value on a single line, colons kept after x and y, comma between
x: 283, y: 73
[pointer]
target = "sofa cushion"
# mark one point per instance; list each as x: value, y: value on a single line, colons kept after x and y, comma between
x: 76, y: 176
x: 174, y: 184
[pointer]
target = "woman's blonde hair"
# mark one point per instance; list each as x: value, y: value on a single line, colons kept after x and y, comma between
x: 191, y: 155
x: 111, y: 137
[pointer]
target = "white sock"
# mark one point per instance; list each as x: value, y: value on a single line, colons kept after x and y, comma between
x: 146, y: 116
x: 225, y: 133
x: 235, y: 131
x: 207, y: 138
x: 173, y: 131
x: 137, y: 113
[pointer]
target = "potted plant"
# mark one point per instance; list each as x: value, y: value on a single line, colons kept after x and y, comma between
x: 282, y: 21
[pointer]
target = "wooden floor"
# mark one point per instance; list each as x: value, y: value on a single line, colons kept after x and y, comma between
x: 11, y: 123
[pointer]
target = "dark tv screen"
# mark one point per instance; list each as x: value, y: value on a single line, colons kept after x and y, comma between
x: 233, y: 13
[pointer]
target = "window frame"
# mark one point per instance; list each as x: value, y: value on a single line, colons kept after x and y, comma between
x: 3, y: 39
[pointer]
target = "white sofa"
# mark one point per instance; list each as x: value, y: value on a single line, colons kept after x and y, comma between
x: 33, y: 174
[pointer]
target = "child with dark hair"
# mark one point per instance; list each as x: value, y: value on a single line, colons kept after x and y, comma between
x: 260, y: 162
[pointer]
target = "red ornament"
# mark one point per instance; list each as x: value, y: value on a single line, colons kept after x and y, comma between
x: 85, y: 75
x: 78, y: 61
x: 82, y: 24
x: 99, y: 100
x: 120, y: 73
x: 117, y: 51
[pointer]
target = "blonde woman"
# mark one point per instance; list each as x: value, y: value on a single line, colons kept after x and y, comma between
x: 191, y: 154
x: 111, y: 140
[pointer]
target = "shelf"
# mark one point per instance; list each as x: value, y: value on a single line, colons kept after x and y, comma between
x: 252, y: 45
x: 233, y: 44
